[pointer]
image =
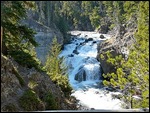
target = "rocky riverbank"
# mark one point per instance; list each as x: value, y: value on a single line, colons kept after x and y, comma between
x: 121, y: 41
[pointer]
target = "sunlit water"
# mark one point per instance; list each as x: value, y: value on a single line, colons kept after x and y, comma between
x: 88, y: 89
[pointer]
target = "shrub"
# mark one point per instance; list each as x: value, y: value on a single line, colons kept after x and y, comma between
x: 63, y: 83
x: 56, y: 69
x: 30, y: 101
x: 50, y: 100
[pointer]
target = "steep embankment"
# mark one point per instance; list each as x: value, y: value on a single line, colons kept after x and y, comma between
x: 43, y: 37
x: 44, y: 34
x: 121, y: 42
x: 24, y: 89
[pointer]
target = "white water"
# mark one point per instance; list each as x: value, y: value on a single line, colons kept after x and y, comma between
x: 89, y: 92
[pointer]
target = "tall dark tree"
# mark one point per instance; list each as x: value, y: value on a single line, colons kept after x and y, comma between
x: 17, y: 37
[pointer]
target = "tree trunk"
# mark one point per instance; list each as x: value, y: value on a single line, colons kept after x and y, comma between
x: 1, y: 37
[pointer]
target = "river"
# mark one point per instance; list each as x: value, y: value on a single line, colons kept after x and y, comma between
x: 85, y: 72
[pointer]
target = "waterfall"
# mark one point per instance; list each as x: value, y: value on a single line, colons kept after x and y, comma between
x: 85, y: 72
x: 89, y: 70
x: 92, y: 69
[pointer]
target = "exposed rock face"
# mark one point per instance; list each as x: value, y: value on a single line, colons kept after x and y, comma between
x: 120, y: 43
x: 38, y: 22
x: 16, y: 80
x: 11, y: 89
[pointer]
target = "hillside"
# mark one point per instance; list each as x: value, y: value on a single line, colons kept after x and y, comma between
x: 24, y: 89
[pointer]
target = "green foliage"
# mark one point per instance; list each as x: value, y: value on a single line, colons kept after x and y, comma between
x: 106, y: 83
x: 62, y: 81
x: 56, y: 69
x: 50, y: 100
x: 14, y: 33
x: 62, y: 25
x: 32, y: 84
x: 132, y: 75
x: 102, y: 56
x: 25, y: 59
x: 30, y: 101
x: 95, y: 17
x: 129, y: 12
x: 18, y: 38
x: 112, y: 26
x: 116, y: 60
x: 77, y: 14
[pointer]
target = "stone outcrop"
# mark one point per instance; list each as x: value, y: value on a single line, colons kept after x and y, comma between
x: 120, y: 43
x: 45, y: 34
x: 17, y: 80
x: 11, y: 88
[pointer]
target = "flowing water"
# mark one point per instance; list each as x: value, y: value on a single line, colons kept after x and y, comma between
x: 85, y: 72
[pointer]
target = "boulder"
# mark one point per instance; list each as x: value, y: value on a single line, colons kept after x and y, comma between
x: 89, y: 39
x: 82, y: 44
x: 71, y: 55
x: 107, y: 67
x: 94, y: 42
x: 75, y: 51
x: 81, y: 75
x: 104, y: 28
x: 102, y: 36
x: 78, y: 34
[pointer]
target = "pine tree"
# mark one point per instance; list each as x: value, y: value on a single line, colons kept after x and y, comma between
x: 132, y: 75
x: 56, y: 69
x: 17, y: 37
x: 13, y: 32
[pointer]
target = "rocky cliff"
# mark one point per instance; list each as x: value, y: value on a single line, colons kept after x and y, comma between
x: 120, y: 43
x: 37, y: 20
x: 24, y: 89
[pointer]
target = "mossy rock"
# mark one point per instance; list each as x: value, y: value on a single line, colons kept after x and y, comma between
x: 31, y: 102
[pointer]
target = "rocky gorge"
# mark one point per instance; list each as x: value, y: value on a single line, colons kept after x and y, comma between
x: 86, y: 71
x: 24, y: 79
